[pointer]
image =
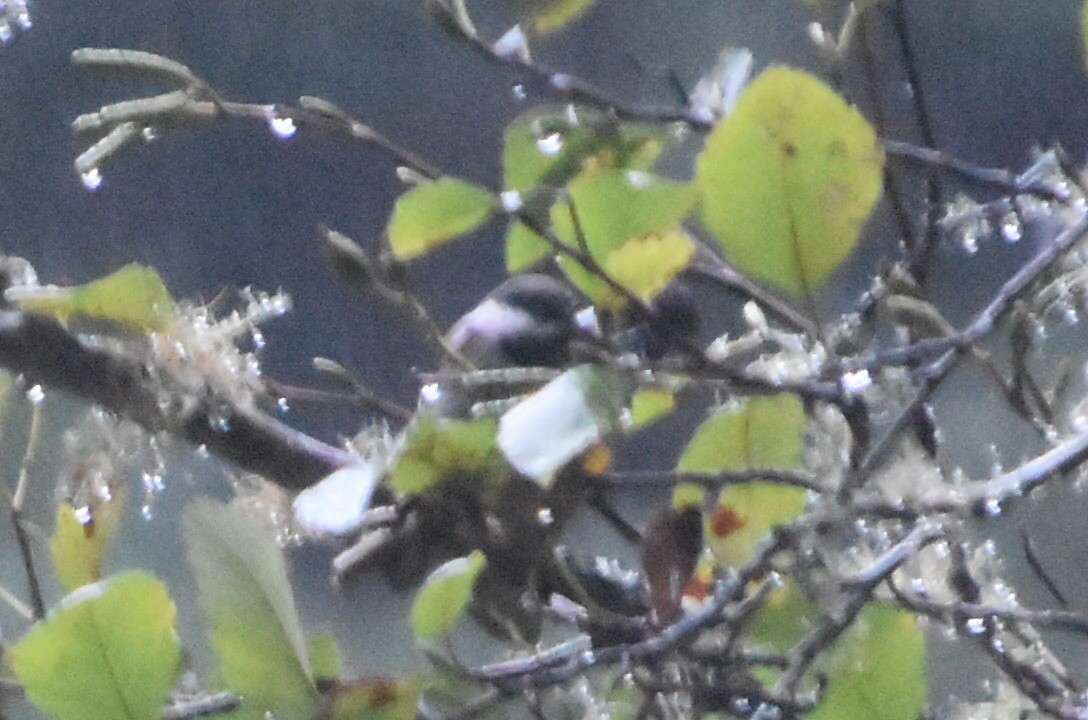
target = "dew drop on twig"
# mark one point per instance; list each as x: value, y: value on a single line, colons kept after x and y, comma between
x: 91, y: 179
x: 35, y: 395
x: 281, y: 126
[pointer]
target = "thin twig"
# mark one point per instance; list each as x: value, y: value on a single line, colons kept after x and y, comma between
x: 33, y: 441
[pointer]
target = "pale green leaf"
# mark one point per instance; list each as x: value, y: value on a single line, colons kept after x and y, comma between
x: 559, y: 13
x: 752, y: 434
x: 877, y: 670
x: 783, y: 619
x: 109, y: 650
x: 76, y: 548
x: 445, y: 595
x: 648, y: 406
x: 645, y: 265
x: 524, y: 248
x: 437, y: 449
x: 565, y: 418
x: 552, y: 146
x: 377, y: 700
x: 134, y: 298
x: 436, y: 211
x: 788, y: 179
x: 255, y: 631
x: 617, y: 213
x: 324, y: 656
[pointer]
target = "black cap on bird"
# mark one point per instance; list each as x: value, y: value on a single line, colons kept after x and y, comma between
x: 527, y: 321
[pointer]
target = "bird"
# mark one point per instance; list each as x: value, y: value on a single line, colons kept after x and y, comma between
x: 528, y: 321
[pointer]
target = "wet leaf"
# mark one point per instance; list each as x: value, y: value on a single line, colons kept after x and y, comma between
x: 566, y: 417
x: 436, y: 211
x: 559, y: 13
x: 757, y: 433
x: 877, y: 670
x: 437, y: 449
x: 77, y: 548
x: 788, y: 179
x: 376, y: 700
x: 134, y: 298
x: 648, y: 406
x: 255, y: 631
x: 445, y: 595
x: 641, y: 247
x: 109, y: 650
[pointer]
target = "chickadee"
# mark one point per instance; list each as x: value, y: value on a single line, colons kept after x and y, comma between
x: 527, y: 321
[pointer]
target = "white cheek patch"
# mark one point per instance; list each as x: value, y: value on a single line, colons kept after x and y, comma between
x: 490, y: 320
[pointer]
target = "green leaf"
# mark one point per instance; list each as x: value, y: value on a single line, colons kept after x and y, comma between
x: 877, y: 670
x: 436, y: 211
x: 77, y: 548
x: 783, y: 619
x: 437, y: 449
x: 788, y: 179
x: 324, y: 656
x: 134, y: 298
x: 109, y: 650
x: 648, y: 406
x: 756, y: 433
x: 377, y: 700
x: 255, y: 631
x: 553, y: 146
x: 563, y: 419
x: 444, y: 596
x: 524, y: 248
x: 629, y: 221
x: 559, y: 13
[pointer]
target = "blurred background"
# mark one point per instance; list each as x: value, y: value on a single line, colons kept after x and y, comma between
x: 232, y: 205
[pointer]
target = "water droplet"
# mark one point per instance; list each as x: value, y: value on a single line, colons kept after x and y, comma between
x: 83, y: 515
x: 550, y: 145
x: 1011, y: 229
x: 282, y: 405
x: 512, y: 45
x: 638, y: 179
x: 35, y: 395
x: 519, y: 92
x: 147, y: 512
x: 91, y: 179
x: 544, y: 516
x: 202, y: 451
x: 856, y: 382
x: 511, y: 201
x: 6, y: 33
x: 219, y: 422
x: 976, y: 626
x: 992, y: 507
x: 282, y: 127
x: 149, y: 134
x: 969, y: 241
